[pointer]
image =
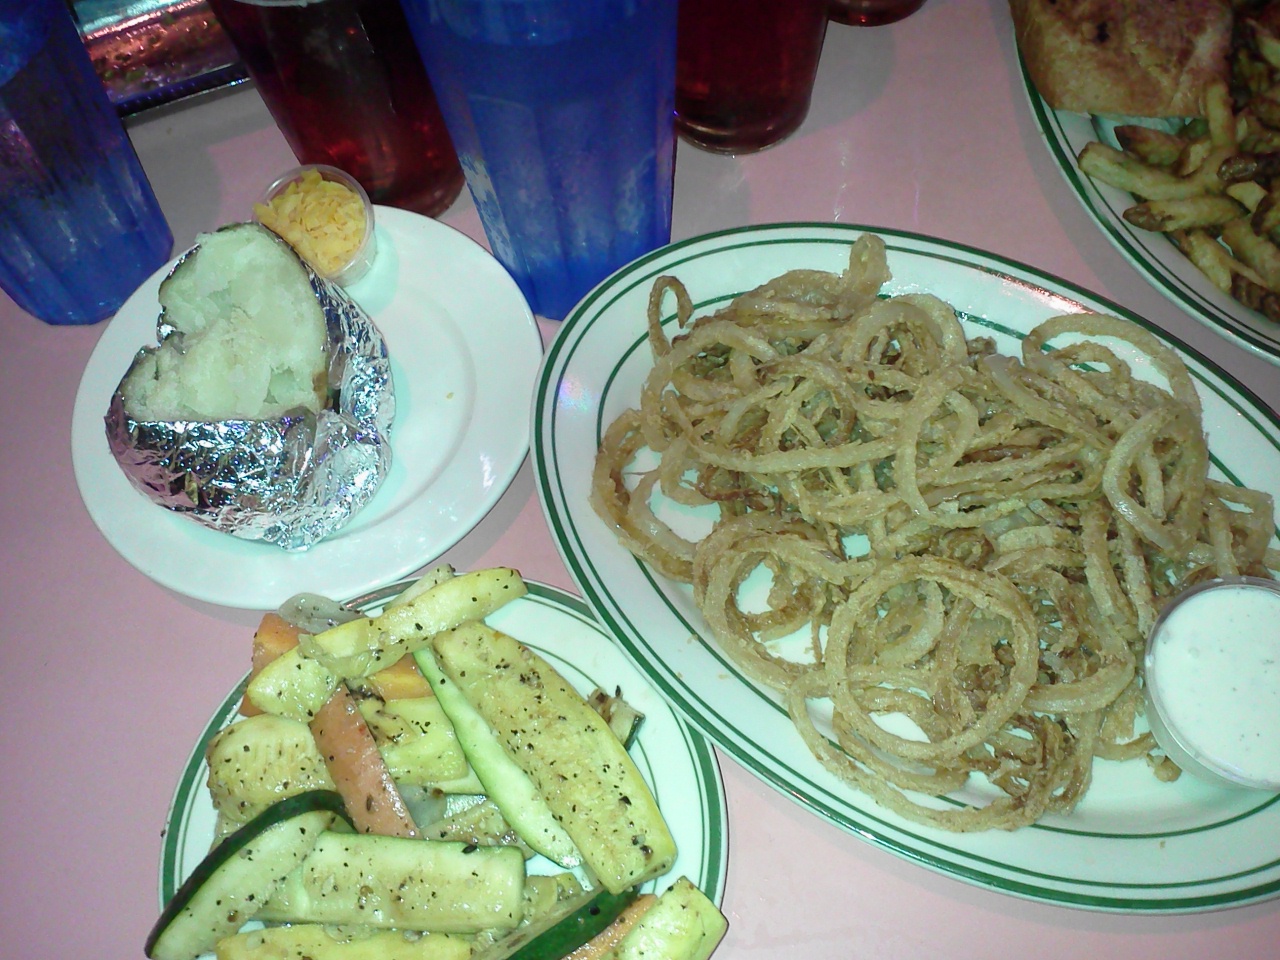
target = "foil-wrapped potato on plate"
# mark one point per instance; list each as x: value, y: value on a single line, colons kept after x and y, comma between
x: 264, y: 408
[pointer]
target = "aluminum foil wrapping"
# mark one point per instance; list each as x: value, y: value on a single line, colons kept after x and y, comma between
x: 290, y: 481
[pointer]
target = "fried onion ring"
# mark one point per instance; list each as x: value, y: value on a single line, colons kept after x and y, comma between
x: 943, y: 561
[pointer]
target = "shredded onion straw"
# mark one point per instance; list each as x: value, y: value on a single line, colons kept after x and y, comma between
x: 976, y: 544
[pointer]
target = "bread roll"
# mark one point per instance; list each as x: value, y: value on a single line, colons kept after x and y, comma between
x: 251, y: 342
x: 1141, y: 58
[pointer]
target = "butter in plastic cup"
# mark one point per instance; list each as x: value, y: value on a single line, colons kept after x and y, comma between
x: 1211, y: 674
x: 317, y: 220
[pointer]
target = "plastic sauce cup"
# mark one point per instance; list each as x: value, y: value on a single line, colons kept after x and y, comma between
x: 1212, y: 681
x: 357, y: 264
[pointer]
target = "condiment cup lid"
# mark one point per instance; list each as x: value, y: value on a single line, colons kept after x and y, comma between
x: 357, y: 264
x: 1211, y: 681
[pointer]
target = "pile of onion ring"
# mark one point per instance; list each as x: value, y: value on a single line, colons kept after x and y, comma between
x: 975, y: 543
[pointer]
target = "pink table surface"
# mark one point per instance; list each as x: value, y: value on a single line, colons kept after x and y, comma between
x: 109, y: 679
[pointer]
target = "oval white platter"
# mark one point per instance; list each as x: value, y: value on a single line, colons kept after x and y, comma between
x: 1133, y: 844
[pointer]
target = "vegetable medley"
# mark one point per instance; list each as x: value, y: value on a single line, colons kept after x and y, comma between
x: 392, y: 778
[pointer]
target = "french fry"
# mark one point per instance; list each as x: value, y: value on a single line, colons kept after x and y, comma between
x: 1194, y: 153
x: 1156, y: 147
x: 1130, y: 174
x: 1248, y: 194
x: 1266, y: 215
x: 1213, y: 259
x: 1217, y: 161
x: 1204, y: 212
x: 1256, y: 297
x: 1249, y: 166
x: 1253, y: 251
x: 1219, y: 114
x: 1266, y: 43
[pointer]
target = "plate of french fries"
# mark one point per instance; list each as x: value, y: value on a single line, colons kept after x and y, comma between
x: 1192, y: 204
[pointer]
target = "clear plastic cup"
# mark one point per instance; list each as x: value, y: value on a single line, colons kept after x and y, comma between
x: 80, y: 227
x: 1211, y: 676
x: 562, y: 114
x: 357, y: 263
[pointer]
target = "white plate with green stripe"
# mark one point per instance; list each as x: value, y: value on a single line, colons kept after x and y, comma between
x: 676, y: 761
x: 1152, y: 254
x: 1133, y: 844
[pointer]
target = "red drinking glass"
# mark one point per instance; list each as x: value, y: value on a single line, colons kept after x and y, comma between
x: 346, y: 86
x: 872, y: 13
x: 745, y: 69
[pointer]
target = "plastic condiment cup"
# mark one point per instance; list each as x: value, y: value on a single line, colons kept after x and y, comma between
x: 1212, y: 681
x: 357, y: 265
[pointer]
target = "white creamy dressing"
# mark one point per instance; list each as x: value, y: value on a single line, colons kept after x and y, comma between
x: 1214, y: 667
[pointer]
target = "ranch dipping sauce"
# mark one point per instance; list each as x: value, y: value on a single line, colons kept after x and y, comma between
x: 1212, y: 676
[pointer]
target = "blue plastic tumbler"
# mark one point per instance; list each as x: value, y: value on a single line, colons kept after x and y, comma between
x: 80, y: 228
x: 562, y: 113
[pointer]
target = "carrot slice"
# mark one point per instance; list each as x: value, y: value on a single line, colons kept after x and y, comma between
x: 274, y: 636
x: 358, y: 770
x: 400, y: 681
